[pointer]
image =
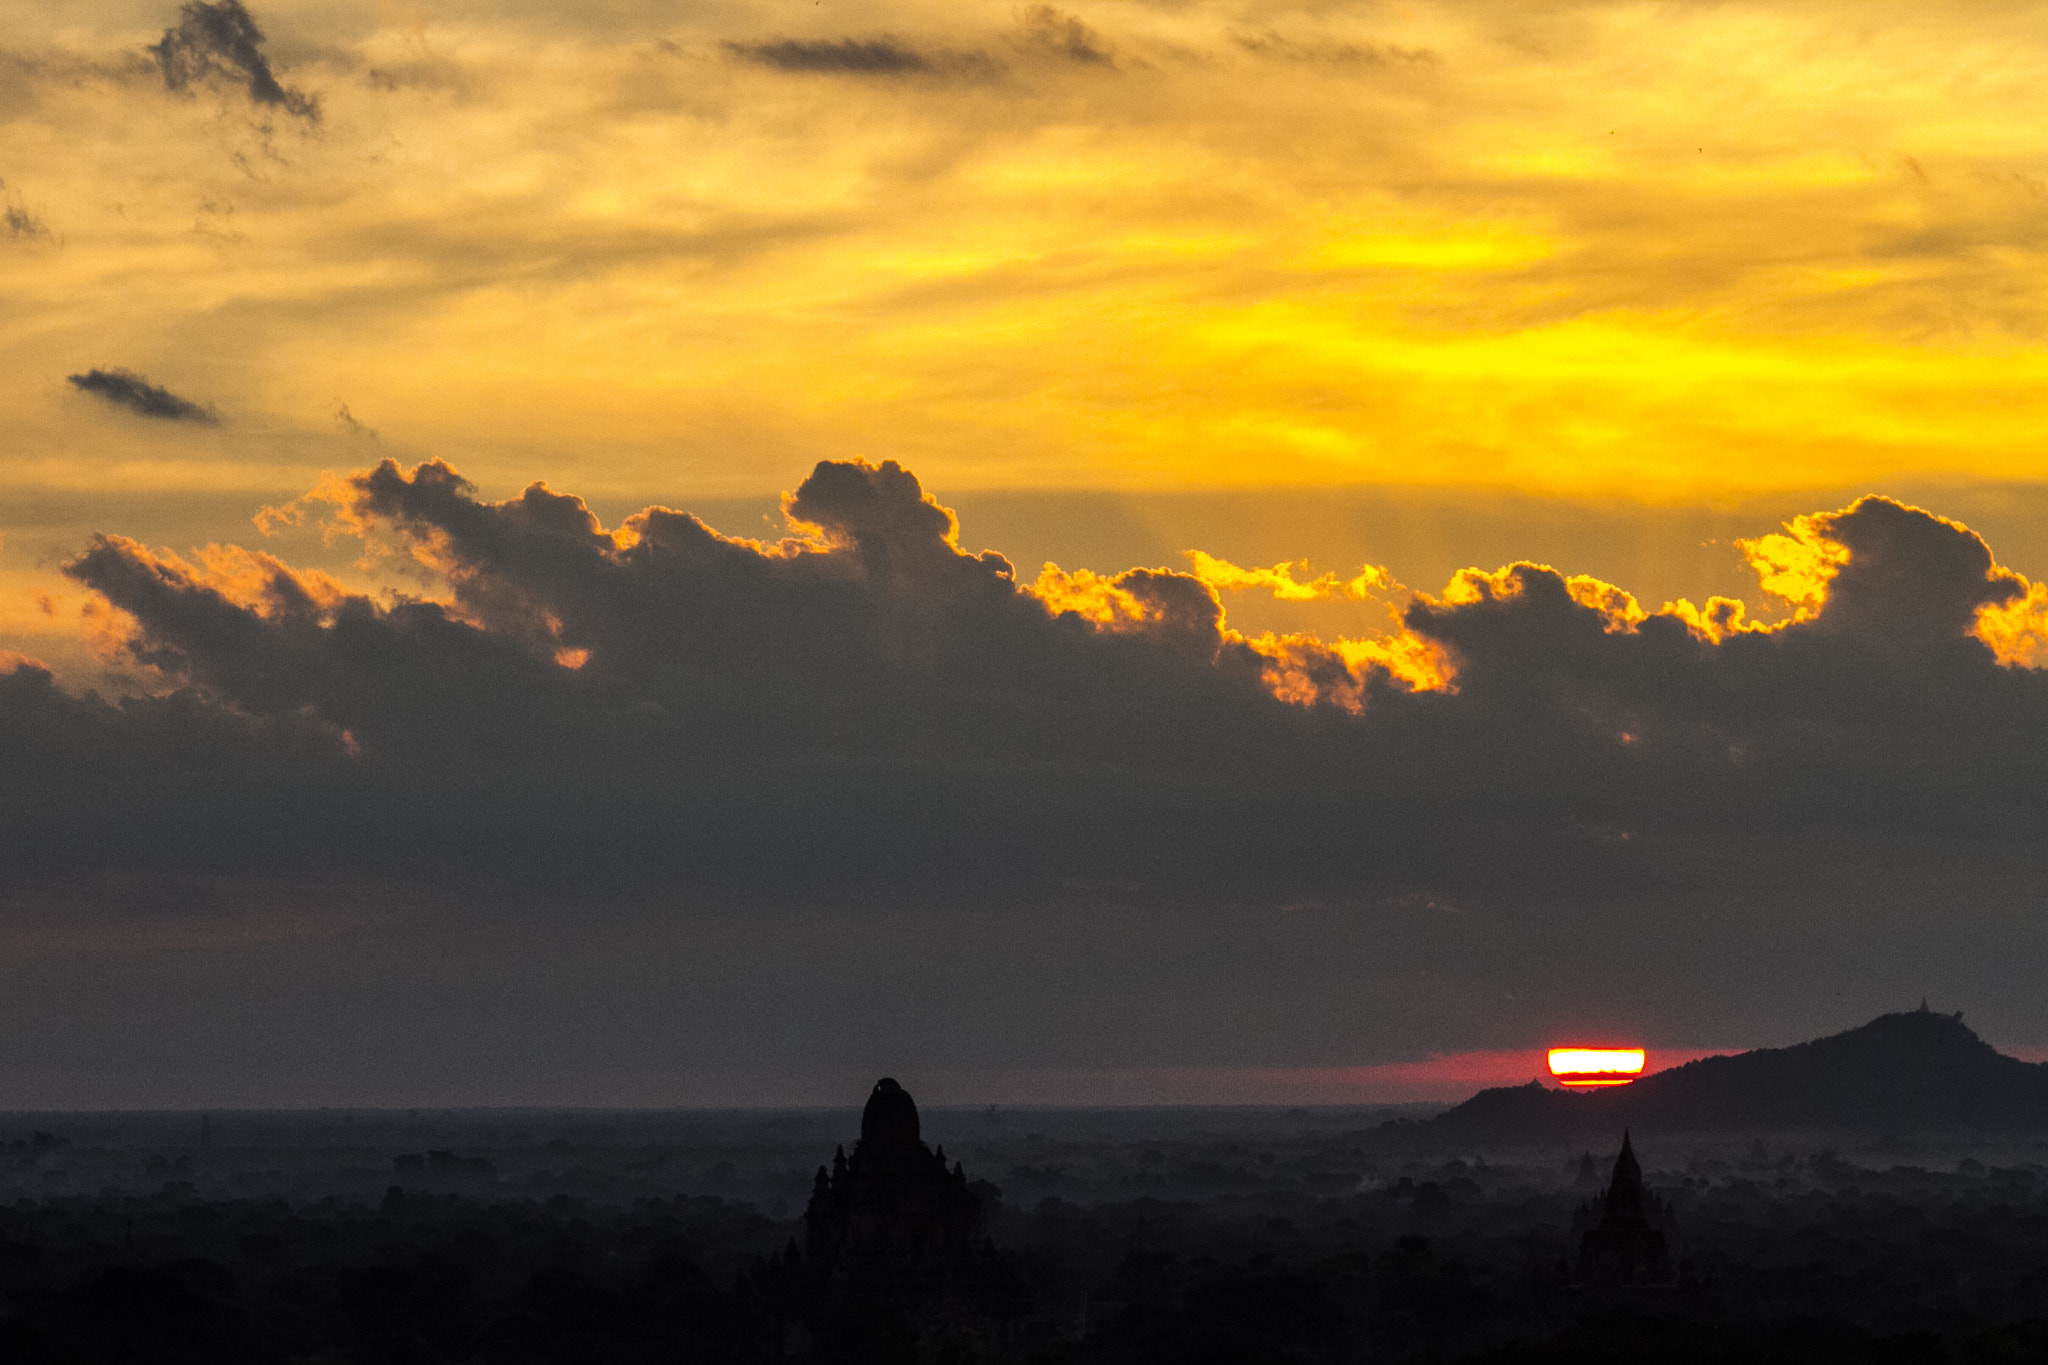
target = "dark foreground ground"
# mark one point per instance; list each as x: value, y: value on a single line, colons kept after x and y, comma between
x: 1240, y: 1236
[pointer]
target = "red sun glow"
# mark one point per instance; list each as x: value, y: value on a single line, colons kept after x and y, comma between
x: 1593, y: 1066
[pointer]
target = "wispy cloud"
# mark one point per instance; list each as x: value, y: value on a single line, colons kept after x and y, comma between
x: 25, y: 226
x: 1061, y: 35
x: 20, y: 223
x: 127, y: 389
x: 218, y: 41
x: 353, y: 425
x: 840, y: 56
x: 1276, y: 45
x: 1564, y: 252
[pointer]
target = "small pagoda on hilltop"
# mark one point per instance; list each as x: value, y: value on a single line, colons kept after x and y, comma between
x: 1627, y: 1237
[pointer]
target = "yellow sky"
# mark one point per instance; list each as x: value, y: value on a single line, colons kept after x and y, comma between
x: 1670, y: 253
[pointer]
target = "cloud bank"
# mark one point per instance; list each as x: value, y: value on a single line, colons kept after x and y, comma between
x: 1533, y: 796
x: 868, y: 644
x: 640, y: 792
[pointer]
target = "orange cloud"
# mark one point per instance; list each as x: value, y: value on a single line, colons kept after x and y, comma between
x: 263, y: 583
x: 1423, y: 664
x: 1299, y: 668
x: 1619, y: 609
x: 1720, y: 618
x: 1797, y: 567
x: 1304, y: 670
x: 1280, y: 580
x: 2017, y: 631
x: 1102, y: 600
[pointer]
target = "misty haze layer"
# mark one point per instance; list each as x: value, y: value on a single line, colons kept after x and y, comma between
x: 605, y: 810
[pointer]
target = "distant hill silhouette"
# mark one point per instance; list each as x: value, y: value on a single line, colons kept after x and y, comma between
x: 1915, y: 1071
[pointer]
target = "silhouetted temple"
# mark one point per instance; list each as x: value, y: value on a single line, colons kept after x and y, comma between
x: 891, y: 1216
x: 1627, y: 1237
x: 896, y: 1251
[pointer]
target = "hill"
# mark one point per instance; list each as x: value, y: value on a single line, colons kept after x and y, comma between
x: 1915, y: 1071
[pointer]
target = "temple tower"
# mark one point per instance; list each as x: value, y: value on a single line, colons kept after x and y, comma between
x: 891, y: 1215
x: 1626, y: 1235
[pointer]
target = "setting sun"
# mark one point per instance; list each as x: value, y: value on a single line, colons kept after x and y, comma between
x: 1593, y: 1066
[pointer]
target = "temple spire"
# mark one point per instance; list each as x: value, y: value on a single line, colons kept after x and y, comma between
x: 1627, y: 1236
x: 1625, y: 1191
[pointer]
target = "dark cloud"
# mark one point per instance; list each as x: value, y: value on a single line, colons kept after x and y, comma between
x: 1060, y: 34
x: 869, y: 637
x: 127, y: 389
x: 22, y: 225
x: 882, y: 56
x: 1280, y: 47
x: 218, y: 41
x: 1911, y: 580
x: 353, y: 425
x: 874, y: 57
x: 1050, y: 811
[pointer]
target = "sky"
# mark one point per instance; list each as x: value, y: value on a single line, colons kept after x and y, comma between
x: 704, y: 553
